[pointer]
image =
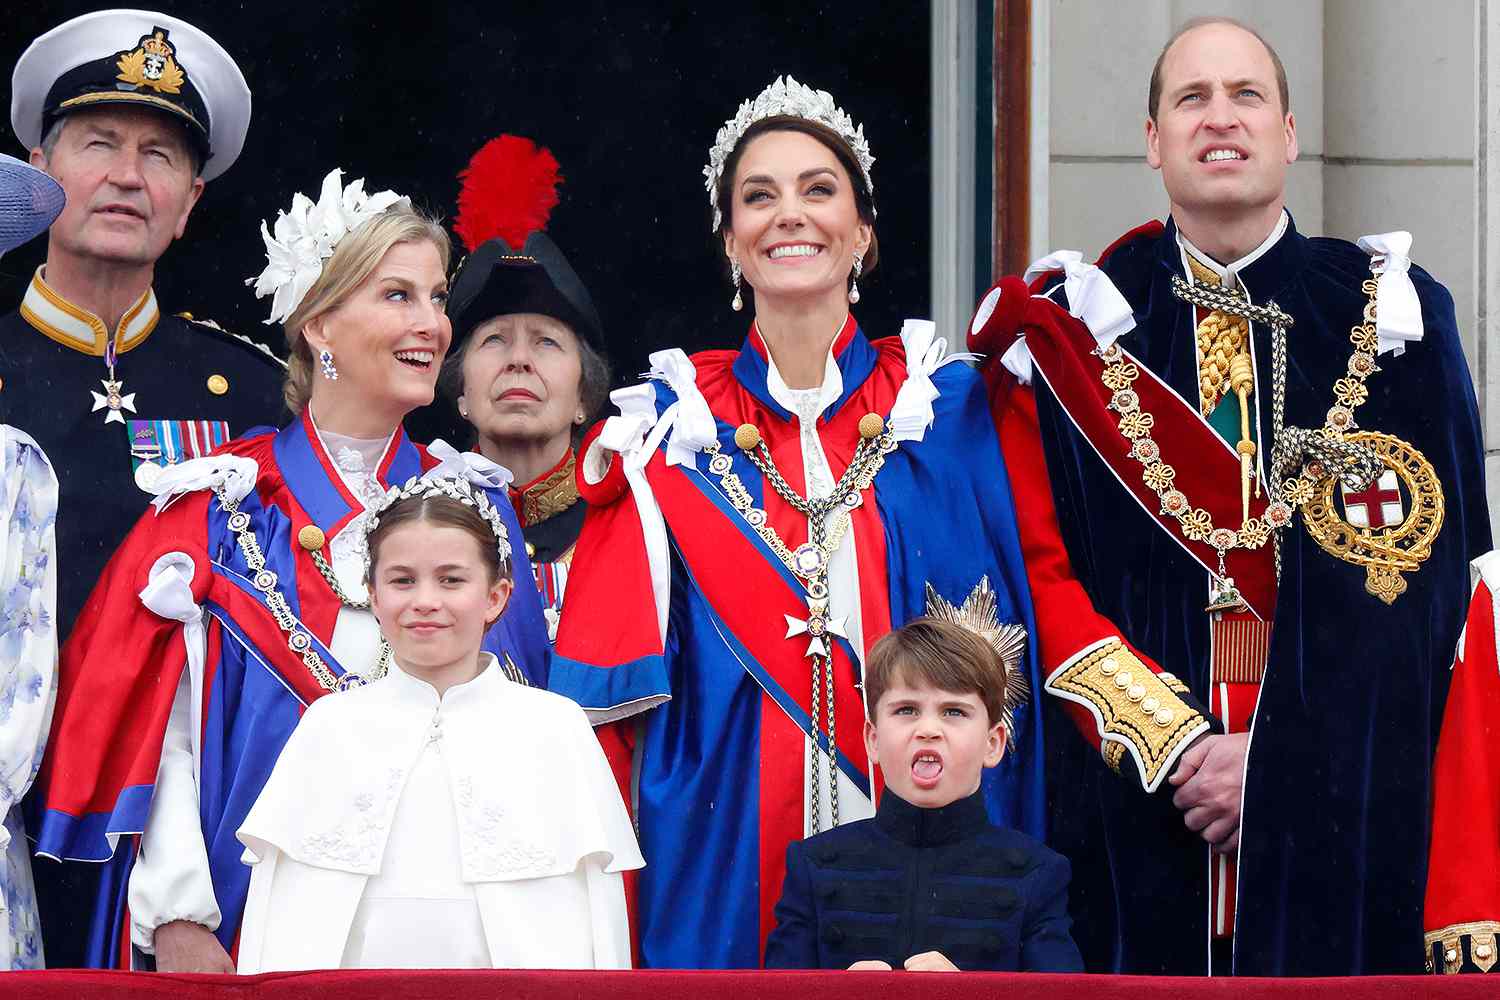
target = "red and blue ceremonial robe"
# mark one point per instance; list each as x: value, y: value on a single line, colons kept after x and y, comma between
x: 1461, y: 914
x: 676, y: 621
x: 121, y: 667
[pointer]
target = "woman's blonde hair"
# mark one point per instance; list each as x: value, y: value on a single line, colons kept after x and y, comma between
x: 355, y: 257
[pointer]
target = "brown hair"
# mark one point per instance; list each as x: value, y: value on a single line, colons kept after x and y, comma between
x: 593, y: 378
x: 864, y: 199
x: 445, y: 512
x: 1153, y: 93
x: 935, y: 653
x: 354, y: 259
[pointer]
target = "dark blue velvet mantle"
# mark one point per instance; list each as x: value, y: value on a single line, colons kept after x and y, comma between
x: 1334, y: 836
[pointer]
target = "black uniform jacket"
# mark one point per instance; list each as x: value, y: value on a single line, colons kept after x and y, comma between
x: 176, y: 370
x: 913, y: 880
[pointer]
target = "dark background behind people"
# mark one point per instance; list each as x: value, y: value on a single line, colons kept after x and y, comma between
x: 627, y: 96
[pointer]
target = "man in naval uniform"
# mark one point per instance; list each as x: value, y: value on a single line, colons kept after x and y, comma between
x: 131, y: 112
x: 1248, y: 471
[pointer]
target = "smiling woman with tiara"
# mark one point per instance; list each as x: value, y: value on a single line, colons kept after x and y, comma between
x: 758, y: 519
x: 174, y: 704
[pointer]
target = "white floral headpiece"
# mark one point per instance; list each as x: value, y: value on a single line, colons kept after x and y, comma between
x: 306, y: 236
x: 453, y: 489
x: 785, y: 96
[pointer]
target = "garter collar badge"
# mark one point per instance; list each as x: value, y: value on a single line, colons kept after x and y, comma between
x: 1351, y: 485
x: 1365, y: 518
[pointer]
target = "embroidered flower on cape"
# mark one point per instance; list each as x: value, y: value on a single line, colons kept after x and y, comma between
x: 304, y: 237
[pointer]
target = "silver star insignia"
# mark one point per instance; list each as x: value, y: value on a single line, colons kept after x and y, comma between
x: 112, y: 400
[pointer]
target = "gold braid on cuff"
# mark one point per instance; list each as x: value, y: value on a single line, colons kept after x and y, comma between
x: 1465, y: 947
x: 1142, y: 710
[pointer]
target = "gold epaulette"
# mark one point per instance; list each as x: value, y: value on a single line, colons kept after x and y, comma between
x: 1466, y: 947
x: 1138, y: 711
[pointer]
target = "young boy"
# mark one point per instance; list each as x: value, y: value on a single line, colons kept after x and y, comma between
x: 928, y: 884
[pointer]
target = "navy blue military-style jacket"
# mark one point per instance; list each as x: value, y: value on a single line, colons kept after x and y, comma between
x: 184, y: 389
x: 913, y: 880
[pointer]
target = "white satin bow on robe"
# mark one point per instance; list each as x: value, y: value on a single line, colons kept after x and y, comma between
x: 467, y: 465
x: 1092, y: 298
x: 1398, y: 311
x: 926, y: 352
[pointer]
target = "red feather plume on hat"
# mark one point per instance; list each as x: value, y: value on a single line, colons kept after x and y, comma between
x: 508, y: 190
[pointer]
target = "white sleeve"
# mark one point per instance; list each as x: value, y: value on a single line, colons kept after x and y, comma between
x: 611, y: 922
x: 171, y: 878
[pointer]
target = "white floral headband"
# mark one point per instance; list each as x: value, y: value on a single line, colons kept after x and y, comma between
x: 785, y: 96
x: 306, y: 236
x: 453, y: 489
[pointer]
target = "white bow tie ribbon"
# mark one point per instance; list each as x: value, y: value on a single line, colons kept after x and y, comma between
x: 689, y: 420
x: 1398, y: 311
x: 926, y: 352
x: 466, y: 465
x: 626, y: 432
x: 1092, y: 297
x: 233, y: 474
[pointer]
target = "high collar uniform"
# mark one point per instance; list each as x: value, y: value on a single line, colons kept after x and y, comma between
x: 193, y: 387
x: 679, y: 611
x: 136, y: 729
x: 914, y: 880
x: 1337, y: 781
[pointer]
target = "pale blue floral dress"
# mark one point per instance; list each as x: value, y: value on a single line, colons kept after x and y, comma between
x: 28, y: 673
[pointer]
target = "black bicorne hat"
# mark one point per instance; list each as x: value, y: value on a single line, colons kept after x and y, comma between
x: 509, y: 190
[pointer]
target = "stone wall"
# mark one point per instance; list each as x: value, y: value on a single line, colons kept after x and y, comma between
x: 1393, y: 119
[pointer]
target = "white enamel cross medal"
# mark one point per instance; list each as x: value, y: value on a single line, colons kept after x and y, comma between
x: 112, y: 399
x: 817, y: 627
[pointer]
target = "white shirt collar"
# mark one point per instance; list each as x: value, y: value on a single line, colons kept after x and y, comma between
x: 1229, y: 273
x: 831, y: 389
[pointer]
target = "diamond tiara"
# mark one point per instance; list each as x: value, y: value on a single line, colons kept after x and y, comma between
x: 785, y: 96
x: 453, y: 489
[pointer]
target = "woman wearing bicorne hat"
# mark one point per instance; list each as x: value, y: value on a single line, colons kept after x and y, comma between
x: 241, y: 598
x: 527, y: 367
x: 29, y: 201
x: 758, y: 518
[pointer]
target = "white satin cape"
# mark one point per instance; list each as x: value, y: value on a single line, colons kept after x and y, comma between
x: 542, y: 832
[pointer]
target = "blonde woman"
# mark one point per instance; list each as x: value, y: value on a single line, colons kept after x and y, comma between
x: 241, y: 598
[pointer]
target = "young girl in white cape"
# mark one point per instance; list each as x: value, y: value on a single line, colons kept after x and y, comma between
x: 442, y: 816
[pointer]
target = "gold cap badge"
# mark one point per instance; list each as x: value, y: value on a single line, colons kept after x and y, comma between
x: 152, y: 63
